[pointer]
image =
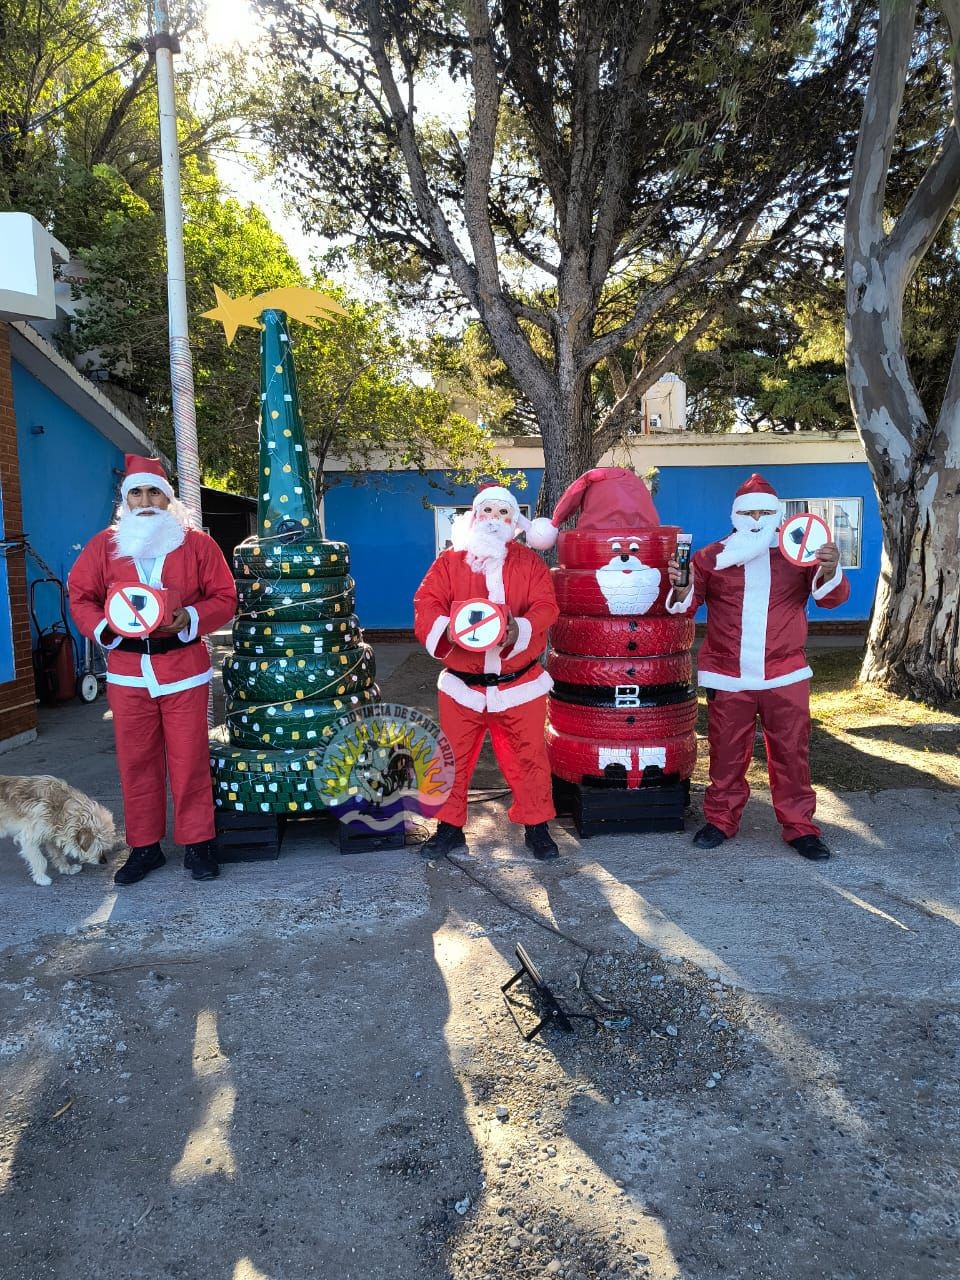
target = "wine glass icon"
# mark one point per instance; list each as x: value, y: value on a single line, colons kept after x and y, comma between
x: 474, y: 618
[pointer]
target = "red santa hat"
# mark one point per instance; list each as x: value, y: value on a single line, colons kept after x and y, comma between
x: 144, y: 473
x: 755, y: 494
x: 606, y: 497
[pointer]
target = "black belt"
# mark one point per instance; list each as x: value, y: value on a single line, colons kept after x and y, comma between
x: 488, y: 681
x: 162, y: 644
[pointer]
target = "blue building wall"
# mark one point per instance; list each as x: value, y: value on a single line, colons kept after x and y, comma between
x: 387, y: 518
x: 66, y: 481
x: 7, y: 666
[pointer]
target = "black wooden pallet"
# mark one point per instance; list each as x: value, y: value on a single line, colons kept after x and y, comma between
x: 248, y: 837
x: 601, y: 809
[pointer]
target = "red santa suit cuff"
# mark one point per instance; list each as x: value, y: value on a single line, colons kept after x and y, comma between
x: 825, y: 588
x: 524, y: 636
x: 98, y: 632
x: 677, y: 606
x: 191, y: 632
x: 435, y: 635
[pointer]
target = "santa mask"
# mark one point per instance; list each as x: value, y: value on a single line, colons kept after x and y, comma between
x: 752, y: 536
x: 148, y: 532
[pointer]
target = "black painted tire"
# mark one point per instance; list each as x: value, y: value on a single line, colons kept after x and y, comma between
x: 309, y: 676
x: 622, y: 637
x: 591, y: 549
x: 629, y: 596
x: 314, y: 559
x: 322, y: 598
x: 295, y: 723
x: 573, y: 758
x: 273, y: 639
x: 639, y: 725
x: 669, y: 668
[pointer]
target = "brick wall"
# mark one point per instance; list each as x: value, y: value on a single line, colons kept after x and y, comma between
x: 18, y: 708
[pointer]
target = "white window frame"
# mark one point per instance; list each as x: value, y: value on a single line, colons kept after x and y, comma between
x: 443, y: 518
x: 827, y: 509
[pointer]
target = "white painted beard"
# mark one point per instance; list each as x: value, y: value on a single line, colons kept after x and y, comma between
x: 751, y: 538
x: 142, y: 536
x: 486, y: 544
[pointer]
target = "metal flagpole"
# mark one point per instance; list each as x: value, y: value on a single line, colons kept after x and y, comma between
x: 163, y: 46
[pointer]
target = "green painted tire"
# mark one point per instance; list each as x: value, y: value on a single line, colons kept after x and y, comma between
x: 265, y: 793
x: 296, y: 723
x: 304, y: 600
x: 312, y: 676
x: 314, y: 559
x: 288, y: 639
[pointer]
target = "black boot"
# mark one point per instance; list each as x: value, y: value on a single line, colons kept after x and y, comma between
x: 540, y: 842
x: 710, y: 837
x: 201, y: 861
x: 444, y: 840
x: 811, y: 847
x: 143, y: 859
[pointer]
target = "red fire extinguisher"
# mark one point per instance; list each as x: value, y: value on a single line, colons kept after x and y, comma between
x: 55, y: 653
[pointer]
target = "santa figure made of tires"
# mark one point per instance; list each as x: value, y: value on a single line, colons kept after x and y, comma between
x: 622, y: 711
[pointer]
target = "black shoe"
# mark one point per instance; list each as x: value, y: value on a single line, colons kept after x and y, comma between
x: 143, y: 859
x: 540, y: 842
x: 201, y: 861
x: 811, y: 847
x: 444, y: 840
x: 709, y: 837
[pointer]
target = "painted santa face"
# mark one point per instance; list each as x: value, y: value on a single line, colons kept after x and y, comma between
x: 628, y: 585
x: 498, y: 511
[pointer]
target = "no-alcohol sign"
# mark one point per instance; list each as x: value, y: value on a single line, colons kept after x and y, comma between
x: 477, y: 625
x: 801, y: 537
x: 134, y: 609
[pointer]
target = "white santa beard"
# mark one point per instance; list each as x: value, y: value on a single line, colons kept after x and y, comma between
x: 750, y: 539
x: 142, y: 536
x: 628, y: 588
x: 486, y: 544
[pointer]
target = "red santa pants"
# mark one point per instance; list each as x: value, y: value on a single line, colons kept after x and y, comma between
x: 154, y: 737
x: 520, y: 748
x: 785, y: 719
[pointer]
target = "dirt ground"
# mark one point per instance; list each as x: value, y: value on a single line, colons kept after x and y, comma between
x: 307, y: 1068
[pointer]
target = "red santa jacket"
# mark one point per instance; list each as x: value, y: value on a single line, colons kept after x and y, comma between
x: 523, y: 584
x: 196, y: 570
x: 756, y: 618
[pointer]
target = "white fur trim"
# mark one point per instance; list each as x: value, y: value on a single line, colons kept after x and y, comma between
x: 755, y: 502
x: 153, y: 686
x: 516, y: 695
x: 542, y: 534
x: 495, y: 699
x: 494, y: 581
x: 492, y: 666
x: 525, y: 634
x: 678, y: 606
x: 753, y: 621
x: 737, y: 684
x: 825, y: 588
x: 98, y: 632
x: 145, y: 480
x: 191, y: 632
x: 496, y: 493
x: 435, y: 635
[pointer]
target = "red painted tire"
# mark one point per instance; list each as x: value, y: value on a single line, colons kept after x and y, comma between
x: 669, y: 668
x: 622, y: 637
x: 574, y: 759
x: 624, y: 593
x: 626, y: 724
x: 593, y: 548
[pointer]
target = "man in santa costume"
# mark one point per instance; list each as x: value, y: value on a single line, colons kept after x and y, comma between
x: 503, y: 690
x: 157, y: 686
x: 752, y: 663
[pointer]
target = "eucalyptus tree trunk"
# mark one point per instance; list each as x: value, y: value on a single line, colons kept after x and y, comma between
x: 912, y: 646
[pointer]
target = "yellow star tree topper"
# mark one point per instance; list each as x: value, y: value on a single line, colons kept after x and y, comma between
x: 299, y: 303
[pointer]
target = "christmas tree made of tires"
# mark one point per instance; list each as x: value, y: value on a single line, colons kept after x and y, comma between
x: 299, y: 661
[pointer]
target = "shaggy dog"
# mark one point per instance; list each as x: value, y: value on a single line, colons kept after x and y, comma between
x: 45, y: 811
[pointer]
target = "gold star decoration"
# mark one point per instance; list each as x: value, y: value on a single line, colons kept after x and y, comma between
x: 299, y: 303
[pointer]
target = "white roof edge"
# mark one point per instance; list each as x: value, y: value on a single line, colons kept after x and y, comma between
x: 43, y: 360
